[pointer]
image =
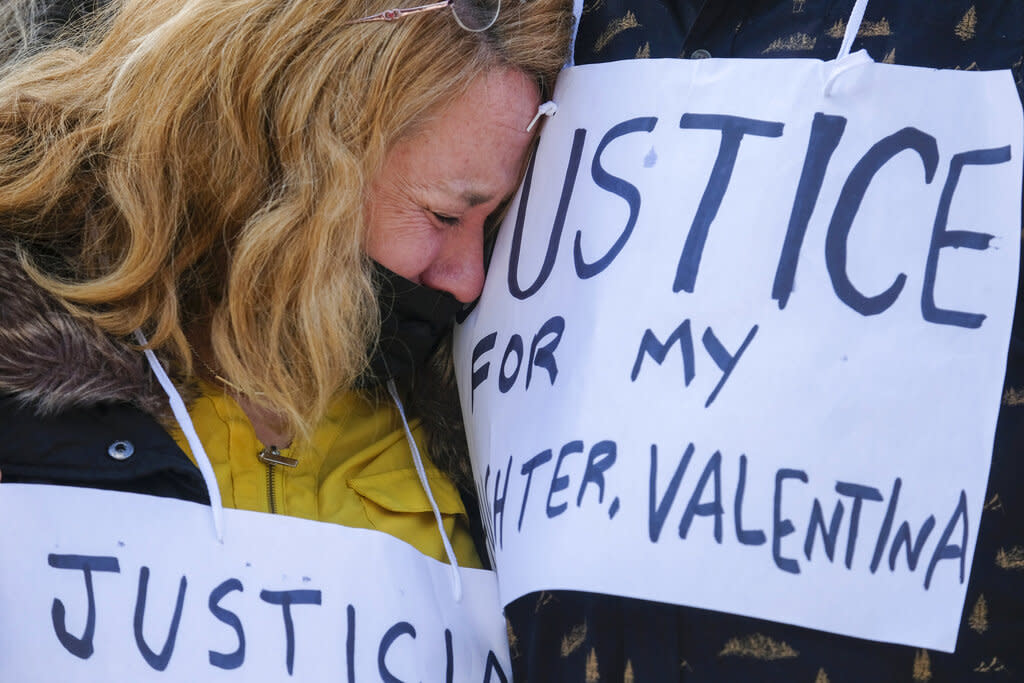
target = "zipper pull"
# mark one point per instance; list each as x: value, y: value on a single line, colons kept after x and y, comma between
x: 271, y: 455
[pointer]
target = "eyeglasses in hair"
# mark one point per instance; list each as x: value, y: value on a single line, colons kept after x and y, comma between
x: 472, y: 15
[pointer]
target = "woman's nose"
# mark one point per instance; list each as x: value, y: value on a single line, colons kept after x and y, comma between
x: 459, y: 266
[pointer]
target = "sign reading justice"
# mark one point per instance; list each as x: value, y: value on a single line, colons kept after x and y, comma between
x: 742, y: 341
x: 103, y: 586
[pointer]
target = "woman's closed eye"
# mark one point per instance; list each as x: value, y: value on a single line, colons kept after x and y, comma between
x: 445, y: 219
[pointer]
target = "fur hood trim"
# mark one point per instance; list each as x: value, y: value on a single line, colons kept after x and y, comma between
x: 52, y: 361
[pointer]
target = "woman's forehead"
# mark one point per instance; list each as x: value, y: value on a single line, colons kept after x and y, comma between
x: 473, y: 149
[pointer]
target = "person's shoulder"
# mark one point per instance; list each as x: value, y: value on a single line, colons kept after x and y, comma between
x: 953, y: 35
x: 112, y: 446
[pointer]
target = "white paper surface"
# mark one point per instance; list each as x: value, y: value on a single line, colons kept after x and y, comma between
x: 832, y: 385
x: 364, y: 606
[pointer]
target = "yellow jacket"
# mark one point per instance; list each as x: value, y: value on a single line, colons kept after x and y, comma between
x: 357, y: 471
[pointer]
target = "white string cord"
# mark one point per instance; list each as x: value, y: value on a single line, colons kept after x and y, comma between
x: 546, y: 109
x: 842, y: 64
x: 421, y: 471
x: 189, y: 430
x: 852, y: 27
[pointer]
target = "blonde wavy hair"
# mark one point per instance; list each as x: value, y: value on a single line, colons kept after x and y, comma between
x: 204, y: 164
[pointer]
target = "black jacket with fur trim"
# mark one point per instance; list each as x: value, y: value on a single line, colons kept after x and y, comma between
x: 69, y: 394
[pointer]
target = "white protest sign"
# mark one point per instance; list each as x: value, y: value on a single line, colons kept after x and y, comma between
x: 742, y: 343
x: 100, y: 586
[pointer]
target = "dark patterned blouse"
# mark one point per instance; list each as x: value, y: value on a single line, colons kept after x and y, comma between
x: 568, y: 636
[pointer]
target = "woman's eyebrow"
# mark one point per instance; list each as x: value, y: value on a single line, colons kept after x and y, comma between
x: 475, y: 198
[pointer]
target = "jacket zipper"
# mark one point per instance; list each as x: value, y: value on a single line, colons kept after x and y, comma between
x: 271, y: 456
x: 270, y: 489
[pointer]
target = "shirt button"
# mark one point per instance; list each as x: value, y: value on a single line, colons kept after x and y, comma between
x: 700, y: 54
x: 121, y: 450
